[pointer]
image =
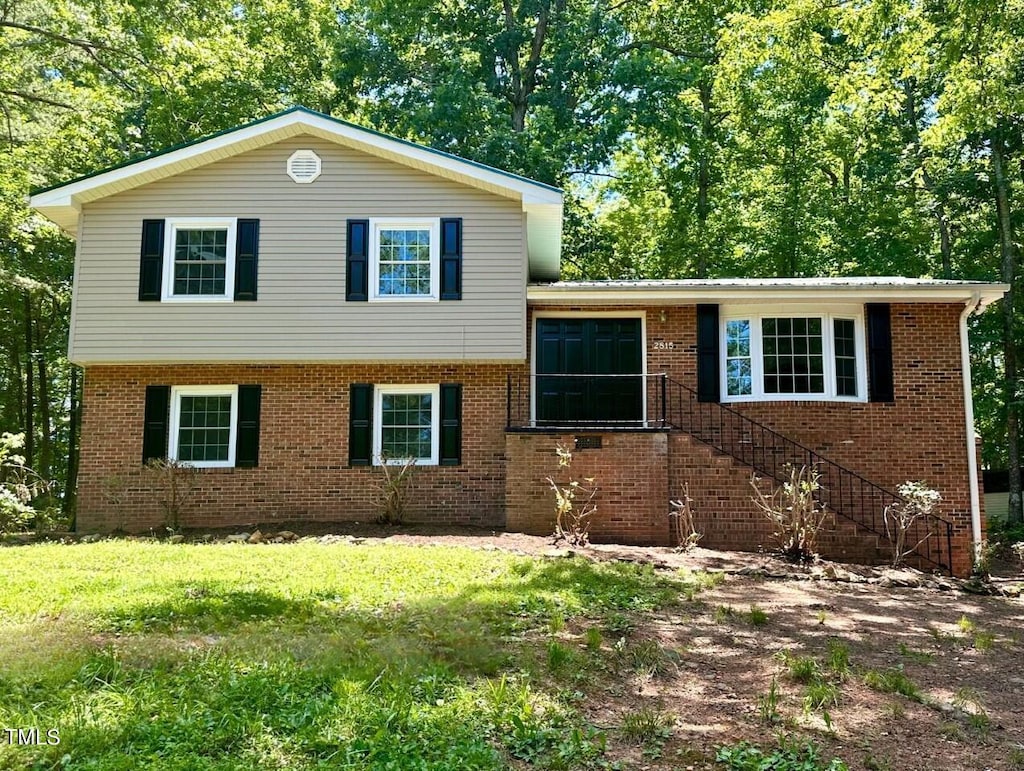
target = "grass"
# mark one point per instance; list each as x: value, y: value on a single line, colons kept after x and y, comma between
x: 149, y: 655
x: 892, y: 680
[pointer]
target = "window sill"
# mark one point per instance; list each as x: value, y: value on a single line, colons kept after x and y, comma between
x: 793, y: 398
x: 196, y: 299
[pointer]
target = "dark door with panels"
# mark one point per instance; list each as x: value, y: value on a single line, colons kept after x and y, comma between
x: 589, y: 371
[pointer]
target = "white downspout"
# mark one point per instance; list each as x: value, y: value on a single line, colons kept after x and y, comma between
x: 972, y: 454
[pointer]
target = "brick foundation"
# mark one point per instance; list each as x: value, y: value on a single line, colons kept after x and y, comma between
x: 630, y: 472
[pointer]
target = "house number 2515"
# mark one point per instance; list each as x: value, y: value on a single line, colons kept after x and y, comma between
x: 663, y: 345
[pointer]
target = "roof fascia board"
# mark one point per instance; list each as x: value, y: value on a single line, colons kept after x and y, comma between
x: 987, y: 293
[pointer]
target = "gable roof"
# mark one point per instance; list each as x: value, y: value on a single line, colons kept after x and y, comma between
x: 542, y: 204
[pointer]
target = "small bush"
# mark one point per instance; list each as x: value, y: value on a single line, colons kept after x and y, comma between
x: 558, y: 656
x: 173, y: 483
x: 795, y: 511
x: 593, y: 639
x: 391, y: 486
x: 919, y: 502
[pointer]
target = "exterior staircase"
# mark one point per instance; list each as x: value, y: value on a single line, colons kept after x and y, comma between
x: 726, y: 448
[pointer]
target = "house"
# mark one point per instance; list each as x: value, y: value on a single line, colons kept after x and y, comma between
x: 284, y: 303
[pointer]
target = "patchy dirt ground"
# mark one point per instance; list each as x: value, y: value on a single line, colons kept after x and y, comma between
x: 961, y: 652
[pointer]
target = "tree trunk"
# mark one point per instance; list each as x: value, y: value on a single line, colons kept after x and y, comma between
x: 71, y: 481
x: 1008, y: 255
x: 44, y: 466
x: 707, y: 125
x: 30, y: 396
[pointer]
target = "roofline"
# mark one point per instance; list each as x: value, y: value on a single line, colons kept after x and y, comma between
x: 305, y: 111
x: 567, y: 293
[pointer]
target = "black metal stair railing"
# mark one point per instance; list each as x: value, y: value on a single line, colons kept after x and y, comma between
x: 769, y: 453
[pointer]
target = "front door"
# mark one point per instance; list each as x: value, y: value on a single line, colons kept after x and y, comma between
x: 589, y: 371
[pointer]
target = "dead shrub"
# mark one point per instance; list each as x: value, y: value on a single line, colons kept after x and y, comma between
x: 574, y: 503
x: 172, y: 482
x: 681, y: 520
x: 392, y: 486
x: 795, y: 511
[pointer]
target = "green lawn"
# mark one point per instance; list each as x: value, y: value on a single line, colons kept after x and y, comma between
x: 308, y: 655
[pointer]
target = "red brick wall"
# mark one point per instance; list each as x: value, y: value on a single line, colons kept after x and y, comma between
x: 303, y: 471
x: 920, y: 436
x: 630, y: 472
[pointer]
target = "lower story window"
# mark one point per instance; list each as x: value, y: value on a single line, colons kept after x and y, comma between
x: 772, y: 356
x: 406, y: 424
x: 203, y: 423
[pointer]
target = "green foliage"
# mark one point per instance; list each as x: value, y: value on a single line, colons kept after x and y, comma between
x: 790, y: 756
x: 648, y: 727
x: 893, y: 680
x: 768, y: 704
x: 757, y: 616
x: 19, y: 485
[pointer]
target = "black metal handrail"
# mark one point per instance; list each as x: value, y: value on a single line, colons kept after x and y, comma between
x: 769, y: 453
x: 620, y: 406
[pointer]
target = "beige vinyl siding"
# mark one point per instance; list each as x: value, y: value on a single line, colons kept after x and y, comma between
x: 301, y: 313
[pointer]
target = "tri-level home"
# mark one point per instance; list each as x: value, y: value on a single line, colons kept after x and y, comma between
x: 290, y: 303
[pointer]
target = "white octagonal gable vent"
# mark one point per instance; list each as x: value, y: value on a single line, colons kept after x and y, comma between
x: 304, y: 166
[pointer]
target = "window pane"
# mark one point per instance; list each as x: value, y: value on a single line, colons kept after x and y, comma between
x: 406, y: 426
x: 846, y: 358
x: 792, y: 355
x: 738, y: 381
x: 404, y: 262
x: 204, y: 428
x: 200, y: 261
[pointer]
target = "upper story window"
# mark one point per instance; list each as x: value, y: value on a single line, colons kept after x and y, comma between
x: 404, y: 260
x: 200, y: 262
x: 775, y: 355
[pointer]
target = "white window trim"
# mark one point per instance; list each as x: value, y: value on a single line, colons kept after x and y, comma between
x: 171, y: 226
x: 379, y: 392
x: 207, y: 390
x: 755, y: 316
x: 431, y: 224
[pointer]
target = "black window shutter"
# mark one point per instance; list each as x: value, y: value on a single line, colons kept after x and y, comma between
x: 451, y: 424
x: 451, y: 259
x: 154, y: 429
x: 708, y: 362
x: 360, y: 424
x: 357, y: 263
x: 880, y: 379
x: 151, y: 267
x: 247, y: 435
x: 247, y: 248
